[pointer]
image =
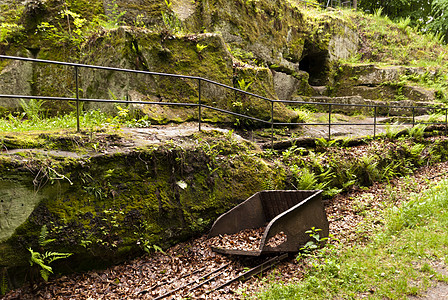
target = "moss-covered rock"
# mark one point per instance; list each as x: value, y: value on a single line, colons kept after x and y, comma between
x: 171, y: 39
x: 383, y: 83
x: 107, y: 207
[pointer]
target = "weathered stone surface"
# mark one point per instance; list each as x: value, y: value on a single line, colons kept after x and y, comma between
x: 389, y: 93
x: 17, y: 201
x: 366, y: 105
x: 145, y: 50
x: 184, y: 9
x: 274, y: 31
x: 419, y: 94
x: 285, y: 85
x: 371, y: 74
x: 343, y: 44
x: 15, y: 80
x: 159, y: 194
x: 383, y: 84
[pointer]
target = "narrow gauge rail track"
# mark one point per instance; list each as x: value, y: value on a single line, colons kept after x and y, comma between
x: 206, y: 280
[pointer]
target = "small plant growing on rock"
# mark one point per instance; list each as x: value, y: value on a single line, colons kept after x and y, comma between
x: 170, y: 20
x: 43, y: 259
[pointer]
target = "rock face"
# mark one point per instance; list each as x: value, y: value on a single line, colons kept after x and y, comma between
x: 109, y: 205
x: 382, y: 84
x: 342, y: 46
x: 143, y: 50
x: 383, y: 108
x: 257, y: 33
x: 285, y: 85
x: 17, y: 201
x: 15, y: 80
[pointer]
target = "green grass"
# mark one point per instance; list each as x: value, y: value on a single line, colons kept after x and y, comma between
x: 88, y: 120
x: 394, y: 264
x: 387, y: 43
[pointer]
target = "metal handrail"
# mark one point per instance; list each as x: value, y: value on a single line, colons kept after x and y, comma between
x: 200, y: 105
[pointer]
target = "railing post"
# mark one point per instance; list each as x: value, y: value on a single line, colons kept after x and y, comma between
x: 446, y: 121
x: 77, y: 99
x: 413, y: 116
x: 329, y: 122
x: 200, y: 104
x: 272, y: 125
x: 374, y: 121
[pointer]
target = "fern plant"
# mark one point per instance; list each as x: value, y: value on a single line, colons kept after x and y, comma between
x: 417, y: 132
x: 32, y: 108
x: 392, y: 130
x: 44, y: 259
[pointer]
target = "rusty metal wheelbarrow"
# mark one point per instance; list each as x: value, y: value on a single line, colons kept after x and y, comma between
x: 288, y: 212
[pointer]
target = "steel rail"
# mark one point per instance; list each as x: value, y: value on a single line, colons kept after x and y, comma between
x: 252, y: 272
x: 190, y: 283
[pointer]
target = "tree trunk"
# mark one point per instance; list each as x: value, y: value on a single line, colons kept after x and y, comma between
x: 355, y: 4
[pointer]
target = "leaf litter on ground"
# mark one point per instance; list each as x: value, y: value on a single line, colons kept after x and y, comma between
x: 147, y: 277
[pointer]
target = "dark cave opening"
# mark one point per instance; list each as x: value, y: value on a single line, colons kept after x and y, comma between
x: 316, y: 65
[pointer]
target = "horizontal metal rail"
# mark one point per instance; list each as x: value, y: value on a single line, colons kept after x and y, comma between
x: 97, y: 100
x: 330, y: 106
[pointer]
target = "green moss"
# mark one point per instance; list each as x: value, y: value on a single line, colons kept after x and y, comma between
x: 87, y: 9
x: 140, y: 192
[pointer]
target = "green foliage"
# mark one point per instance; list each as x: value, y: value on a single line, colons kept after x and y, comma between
x: 244, y: 56
x: 32, y: 108
x: 305, y: 179
x: 138, y: 22
x: 322, y: 143
x: 419, y: 210
x: 392, y: 130
x: 92, y: 119
x: 56, y: 34
x: 392, y: 264
x: 243, y: 85
x: 200, y: 47
x: 438, y: 24
x: 242, y: 105
x: 9, y: 30
x: 114, y: 17
x: 170, y: 20
x: 4, y: 282
x: 417, y: 132
x: 427, y: 16
x: 368, y: 166
x: 304, y: 115
x: 45, y: 258
x: 403, y: 23
x: 378, y: 12
x: 313, y: 244
x: 43, y: 241
x: 146, y: 238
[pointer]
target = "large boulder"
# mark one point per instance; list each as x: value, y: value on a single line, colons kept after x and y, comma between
x: 105, y: 207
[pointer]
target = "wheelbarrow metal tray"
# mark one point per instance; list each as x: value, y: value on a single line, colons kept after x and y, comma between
x: 291, y: 212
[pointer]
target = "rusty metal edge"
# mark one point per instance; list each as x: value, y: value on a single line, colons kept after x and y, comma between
x: 236, y: 252
x: 264, y: 248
